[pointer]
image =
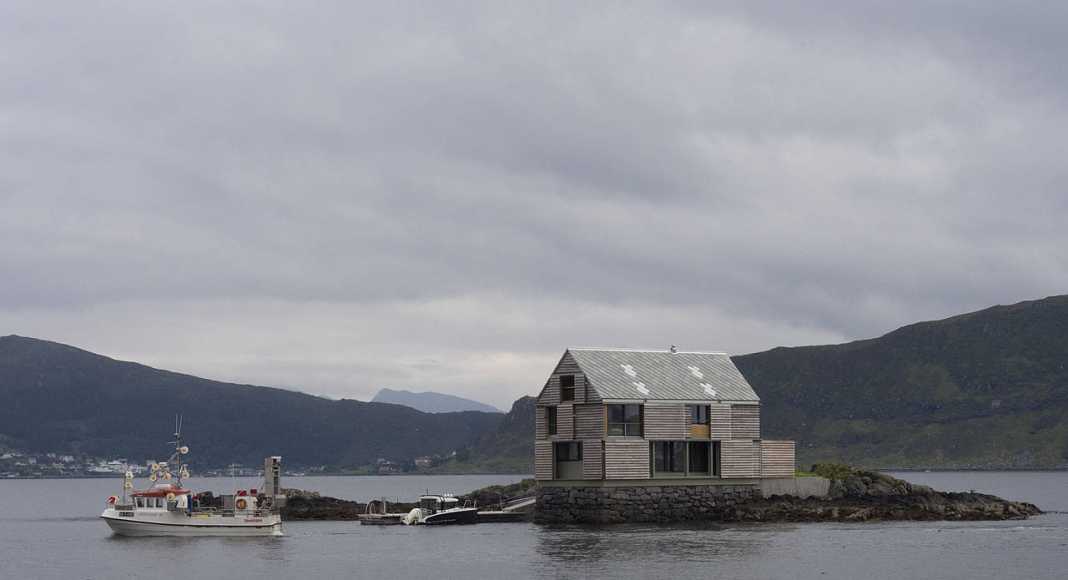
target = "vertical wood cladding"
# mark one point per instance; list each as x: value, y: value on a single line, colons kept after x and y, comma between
x: 550, y: 394
x: 665, y: 421
x: 541, y: 428
x: 592, y: 459
x: 565, y: 421
x: 720, y: 421
x: 777, y: 459
x: 589, y: 421
x: 626, y: 459
x: 741, y: 459
x: 543, y: 460
x: 745, y: 421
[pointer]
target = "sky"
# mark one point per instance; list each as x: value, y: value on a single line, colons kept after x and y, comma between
x: 444, y: 196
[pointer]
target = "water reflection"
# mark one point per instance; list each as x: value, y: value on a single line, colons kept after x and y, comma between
x: 665, y: 543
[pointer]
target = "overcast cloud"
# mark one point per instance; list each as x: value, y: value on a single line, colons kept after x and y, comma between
x: 346, y: 197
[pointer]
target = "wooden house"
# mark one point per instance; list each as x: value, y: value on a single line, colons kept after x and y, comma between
x: 613, y: 414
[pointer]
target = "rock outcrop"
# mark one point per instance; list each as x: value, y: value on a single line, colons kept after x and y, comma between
x: 853, y: 496
x: 869, y: 495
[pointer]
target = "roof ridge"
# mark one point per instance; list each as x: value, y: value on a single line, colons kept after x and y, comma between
x: 649, y: 350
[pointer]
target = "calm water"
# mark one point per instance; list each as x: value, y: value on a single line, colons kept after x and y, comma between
x: 48, y: 529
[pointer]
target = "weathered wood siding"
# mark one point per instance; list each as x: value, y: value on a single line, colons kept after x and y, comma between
x: 565, y: 421
x: 592, y: 459
x: 550, y: 393
x: 720, y: 418
x: 543, y: 460
x: 589, y: 421
x: 541, y: 428
x: 665, y: 421
x: 777, y: 458
x: 626, y: 459
x: 745, y: 421
x: 740, y: 459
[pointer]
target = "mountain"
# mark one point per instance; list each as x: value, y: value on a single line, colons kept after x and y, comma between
x: 982, y: 390
x: 430, y: 402
x: 507, y: 449
x: 60, y: 398
x: 987, y: 389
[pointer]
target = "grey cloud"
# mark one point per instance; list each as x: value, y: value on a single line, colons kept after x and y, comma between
x: 786, y: 174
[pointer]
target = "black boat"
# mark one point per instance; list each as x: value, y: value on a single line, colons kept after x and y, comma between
x: 440, y: 510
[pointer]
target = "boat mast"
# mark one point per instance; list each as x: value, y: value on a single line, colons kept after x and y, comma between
x: 179, y: 451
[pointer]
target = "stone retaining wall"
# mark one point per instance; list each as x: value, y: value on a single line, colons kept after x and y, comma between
x: 638, y: 503
x: 795, y: 487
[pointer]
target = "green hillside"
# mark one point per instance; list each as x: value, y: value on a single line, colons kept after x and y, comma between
x: 981, y: 390
x: 60, y: 398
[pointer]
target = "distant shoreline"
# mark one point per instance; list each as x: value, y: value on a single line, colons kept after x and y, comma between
x: 527, y: 475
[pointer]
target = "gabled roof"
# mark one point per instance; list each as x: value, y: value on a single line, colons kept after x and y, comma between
x: 664, y: 375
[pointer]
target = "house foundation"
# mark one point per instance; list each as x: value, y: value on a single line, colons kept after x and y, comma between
x: 621, y: 503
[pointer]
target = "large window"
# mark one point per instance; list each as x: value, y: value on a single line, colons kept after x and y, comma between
x: 567, y: 387
x: 699, y: 414
x: 550, y: 420
x: 625, y: 420
x: 669, y: 456
x: 700, y: 457
x: 570, y: 451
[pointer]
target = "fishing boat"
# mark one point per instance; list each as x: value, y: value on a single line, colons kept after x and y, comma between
x: 167, y: 508
x: 436, y: 510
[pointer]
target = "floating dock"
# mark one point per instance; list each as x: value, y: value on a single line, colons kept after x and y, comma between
x: 489, y: 517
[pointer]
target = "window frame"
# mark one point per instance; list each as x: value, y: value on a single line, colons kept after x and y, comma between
x: 626, y: 428
x: 695, y: 414
x: 574, y: 453
x: 690, y: 445
x: 569, y: 389
x: 551, y: 421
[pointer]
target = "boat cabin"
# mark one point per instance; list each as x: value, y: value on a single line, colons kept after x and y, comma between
x: 435, y: 503
x: 161, y: 496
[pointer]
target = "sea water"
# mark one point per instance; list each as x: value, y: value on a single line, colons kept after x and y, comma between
x: 49, y: 529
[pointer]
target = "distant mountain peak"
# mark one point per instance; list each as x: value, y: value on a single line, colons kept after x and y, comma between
x: 431, y: 402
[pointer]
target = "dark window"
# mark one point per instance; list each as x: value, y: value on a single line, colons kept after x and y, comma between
x: 699, y: 414
x: 699, y: 456
x: 625, y: 420
x: 571, y: 451
x: 669, y: 456
x: 550, y: 419
x: 567, y: 387
x: 716, y: 455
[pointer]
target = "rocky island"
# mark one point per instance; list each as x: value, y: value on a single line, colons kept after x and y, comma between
x: 853, y: 495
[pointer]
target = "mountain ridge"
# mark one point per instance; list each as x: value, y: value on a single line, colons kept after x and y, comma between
x: 62, y: 398
x: 431, y: 402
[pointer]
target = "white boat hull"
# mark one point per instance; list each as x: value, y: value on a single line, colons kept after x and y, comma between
x: 189, y: 527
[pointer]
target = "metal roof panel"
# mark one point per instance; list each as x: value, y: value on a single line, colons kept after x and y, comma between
x: 663, y: 375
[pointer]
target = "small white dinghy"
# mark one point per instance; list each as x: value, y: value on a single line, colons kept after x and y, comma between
x: 168, y: 509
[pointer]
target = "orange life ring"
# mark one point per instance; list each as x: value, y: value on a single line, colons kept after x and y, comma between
x: 241, y: 503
